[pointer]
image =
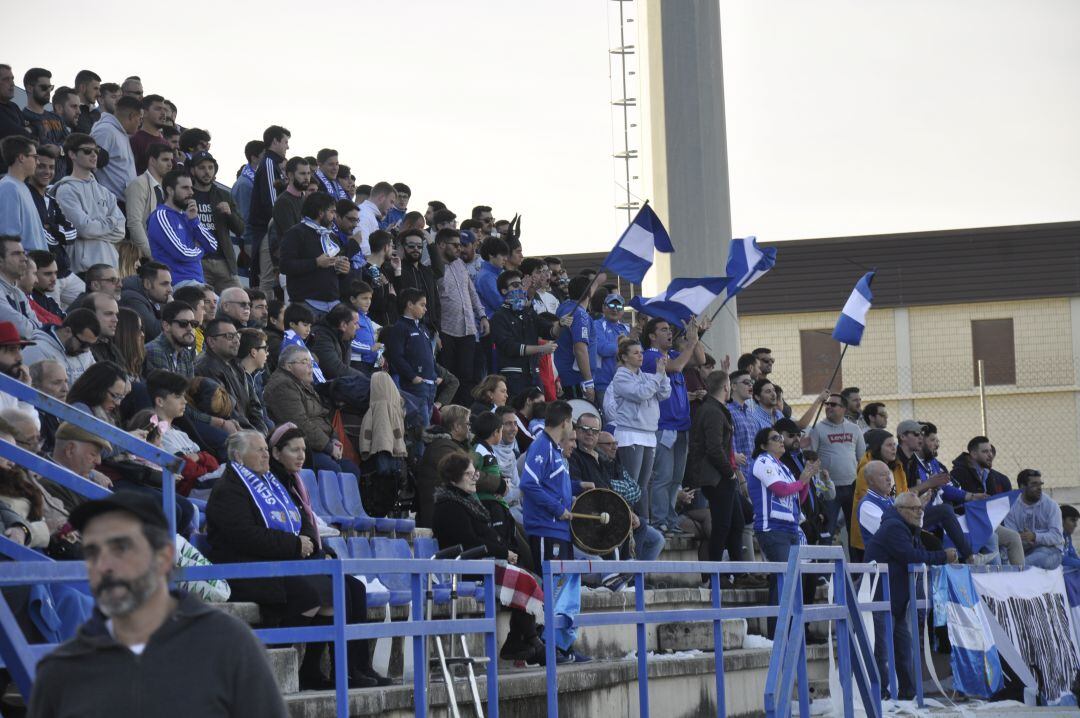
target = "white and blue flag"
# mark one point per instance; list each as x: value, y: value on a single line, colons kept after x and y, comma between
x: 976, y: 664
x: 632, y: 255
x: 981, y: 518
x: 684, y: 299
x: 746, y: 263
x: 849, y: 327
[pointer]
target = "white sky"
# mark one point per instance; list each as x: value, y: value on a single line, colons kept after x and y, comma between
x: 844, y: 116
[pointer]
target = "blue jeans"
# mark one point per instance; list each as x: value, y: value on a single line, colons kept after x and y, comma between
x: 649, y: 542
x: 1046, y: 557
x: 905, y: 675
x: 426, y: 394
x: 325, y: 462
x: 668, y: 469
x: 776, y: 545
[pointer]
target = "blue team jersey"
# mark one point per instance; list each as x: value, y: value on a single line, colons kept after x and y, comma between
x: 772, y: 512
x: 607, y: 345
x: 546, y: 490
x: 872, y: 507
x: 579, y: 331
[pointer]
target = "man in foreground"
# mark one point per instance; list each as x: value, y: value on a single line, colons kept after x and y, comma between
x: 123, y: 661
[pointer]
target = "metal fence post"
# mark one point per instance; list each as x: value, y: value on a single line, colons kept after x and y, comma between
x: 549, y: 646
x: 417, y: 584
x: 913, y: 624
x: 843, y: 639
x: 890, y: 649
x: 642, y: 648
x: 341, y: 661
x: 491, y: 641
x: 718, y: 649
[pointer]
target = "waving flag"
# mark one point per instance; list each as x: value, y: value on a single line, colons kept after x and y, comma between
x: 852, y: 321
x: 746, y: 263
x: 683, y: 299
x: 633, y: 253
x: 981, y: 518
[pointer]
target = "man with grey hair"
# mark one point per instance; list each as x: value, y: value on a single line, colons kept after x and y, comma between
x: 235, y: 305
x: 142, y: 628
x: 49, y: 377
x: 240, y: 443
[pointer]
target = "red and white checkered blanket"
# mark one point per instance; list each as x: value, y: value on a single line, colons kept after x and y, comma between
x: 517, y: 588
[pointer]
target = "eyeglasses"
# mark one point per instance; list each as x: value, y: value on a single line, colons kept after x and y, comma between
x: 83, y: 344
x: 230, y: 336
x: 88, y: 150
x: 301, y: 361
x: 776, y: 437
x: 832, y: 404
x: 261, y: 347
x: 183, y: 323
x: 588, y: 429
x: 116, y: 397
x: 245, y: 305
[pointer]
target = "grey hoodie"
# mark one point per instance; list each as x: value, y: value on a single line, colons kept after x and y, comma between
x: 632, y: 400
x: 110, y: 134
x: 93, y: 213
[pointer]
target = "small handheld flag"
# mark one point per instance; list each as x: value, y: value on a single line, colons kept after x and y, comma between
x: 849, y: 327
x: 746, y: 263
x: 632, y: 255
x: 682, y: 300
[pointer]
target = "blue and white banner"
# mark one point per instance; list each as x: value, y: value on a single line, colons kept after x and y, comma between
x: 849, y: 327
x: 976, y: 665
x: 632, y: 255
x: 981, y: 518
x: 746, y: 263
x: 682, y: 300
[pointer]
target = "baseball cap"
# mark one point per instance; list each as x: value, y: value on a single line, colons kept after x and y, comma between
x: 9, y: 336
x: 614, y: 301
x: 467, y: 237
x: 197, y: 157
x: 908, y: 425
x: 143, y: 507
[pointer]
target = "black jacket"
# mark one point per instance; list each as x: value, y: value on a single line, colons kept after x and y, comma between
x: 454, y: 523
x: 263, y: 192
x: 513, y: 331
x: 439, y: 444
x: 237, y: 534
x: 708, y: 460
x: 274, y: 338
x: 965, y: 477
x: 223, y: 671
x: 422, y: 278
x: 304, y: 279
x: 132, y: 297
x: 249, y: 407
x: 333, y: 353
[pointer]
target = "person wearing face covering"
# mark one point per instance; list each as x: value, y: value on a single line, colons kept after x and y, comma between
x: 517, y: 330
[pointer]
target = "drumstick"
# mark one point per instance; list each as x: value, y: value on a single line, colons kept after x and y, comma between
x: 603, y: 518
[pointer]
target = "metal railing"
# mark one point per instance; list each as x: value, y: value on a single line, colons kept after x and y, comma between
x: 21, y: 658
x: 790, y: 613
x: 170, y: 465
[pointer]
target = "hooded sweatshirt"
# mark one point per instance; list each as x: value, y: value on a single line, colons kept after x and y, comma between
x: 119, y: 173
x: 91, y: 209
x: 49, y: 346
x: 19, y: 215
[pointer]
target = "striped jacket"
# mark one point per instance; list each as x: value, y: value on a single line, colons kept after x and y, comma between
x: 179, y: 242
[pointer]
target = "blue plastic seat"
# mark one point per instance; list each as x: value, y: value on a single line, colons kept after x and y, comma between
x: 426, y: 547
x: 330, y: 486
x: 350, y: 492
x: 319, y: 506
x: 338, y: 545
x: 200, y: 542
x: 399, y: 583
x: 360, y: 548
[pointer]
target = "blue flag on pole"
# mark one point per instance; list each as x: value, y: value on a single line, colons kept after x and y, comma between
x: 632, y: 255
x: 849, y: 327
x: 746, y: 263
x: 682, y: 300
x: 976, y: 664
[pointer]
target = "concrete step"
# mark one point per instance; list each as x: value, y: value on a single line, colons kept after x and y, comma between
x: 678, y: 685
x: 284, y: 662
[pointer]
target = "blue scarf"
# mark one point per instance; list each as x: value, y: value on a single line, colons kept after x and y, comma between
x: 246, y: 171
x: 278, y: 510
x: 329, y: 245
x: 332, y: 187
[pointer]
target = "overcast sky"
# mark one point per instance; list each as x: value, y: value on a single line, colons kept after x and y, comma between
x: 844, y: 116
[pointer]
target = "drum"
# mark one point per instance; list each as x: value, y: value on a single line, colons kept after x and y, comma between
x: 580, y: 406
x: 590, y: 534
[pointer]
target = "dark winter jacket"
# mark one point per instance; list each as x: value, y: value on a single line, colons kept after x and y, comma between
x: 708, y: 460
x: 897, y: 543
x: 224, y: 668
x: 134, y: 298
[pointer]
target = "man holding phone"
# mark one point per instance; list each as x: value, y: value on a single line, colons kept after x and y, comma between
x: 177, y: 238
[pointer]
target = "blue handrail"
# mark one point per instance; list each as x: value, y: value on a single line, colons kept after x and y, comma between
x: 21, y: 658
x: 169, y: 464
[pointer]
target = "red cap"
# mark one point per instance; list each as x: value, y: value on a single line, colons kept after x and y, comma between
x: 9, y: 336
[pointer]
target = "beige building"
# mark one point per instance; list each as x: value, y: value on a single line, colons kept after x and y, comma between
x: 942, y: 301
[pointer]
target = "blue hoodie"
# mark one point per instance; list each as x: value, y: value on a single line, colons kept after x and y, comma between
x: 487, y: 287
x: 546, y: 490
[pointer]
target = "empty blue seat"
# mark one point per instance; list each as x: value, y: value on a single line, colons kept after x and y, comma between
x: 319, y: 506
x: 337, y: 545
x: 358, y: 547
x: 425, y: 546
x: 330, y: 486
x: 399, y: 583
x: 350, y: 492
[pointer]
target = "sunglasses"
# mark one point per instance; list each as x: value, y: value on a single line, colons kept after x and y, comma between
x: 776, y: 437
x: 230, y: 336
x: 588, y: 429
x: 245, y: 305
x: 832, y: 403
x: 183, y: 323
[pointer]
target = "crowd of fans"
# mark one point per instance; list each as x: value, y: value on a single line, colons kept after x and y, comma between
x: 426, y: 356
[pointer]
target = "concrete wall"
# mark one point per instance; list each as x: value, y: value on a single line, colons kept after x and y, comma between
x: 918, y: 360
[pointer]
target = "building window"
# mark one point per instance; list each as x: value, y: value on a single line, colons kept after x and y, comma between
x: 992, y: 341
x: 820, y: 355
